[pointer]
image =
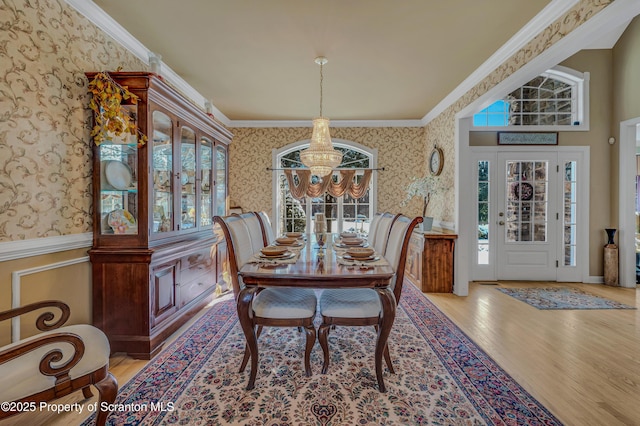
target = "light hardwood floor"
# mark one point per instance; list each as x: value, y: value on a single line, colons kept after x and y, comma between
x: 583, y: 365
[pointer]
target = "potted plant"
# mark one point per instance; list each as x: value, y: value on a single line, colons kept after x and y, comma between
x: 110, y: 117
x: 422, y: 187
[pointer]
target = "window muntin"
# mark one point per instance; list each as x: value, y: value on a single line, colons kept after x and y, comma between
x: 554, y: 98
x: 342, y: 213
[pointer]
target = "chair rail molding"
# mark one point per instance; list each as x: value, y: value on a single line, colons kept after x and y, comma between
x: 38, y: 246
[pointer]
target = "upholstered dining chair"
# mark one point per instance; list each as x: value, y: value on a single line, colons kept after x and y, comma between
x: 267, y: 227
x: 256, y: 231
x: 54, y: 363
x: 362, y: 306
x: 275, y: 307
x: 373, y: 225
x: 381, y: 235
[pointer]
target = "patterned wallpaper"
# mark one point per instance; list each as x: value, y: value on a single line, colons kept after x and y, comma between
x: 45, y: 156
x: 400, y: 152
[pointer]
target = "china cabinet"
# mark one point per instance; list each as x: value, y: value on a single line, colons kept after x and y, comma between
x: 430, y: 261
x: 155, y: 258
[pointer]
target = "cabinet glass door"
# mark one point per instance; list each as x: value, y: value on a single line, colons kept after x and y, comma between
x: 187, y: 178
x: 162, y: 172
x: 221, y: 181
x: 206, y: 166
x: 118, y: 206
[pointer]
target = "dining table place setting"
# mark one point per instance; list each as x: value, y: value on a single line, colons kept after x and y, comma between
x: 360, y: 256
x: 275, y: 254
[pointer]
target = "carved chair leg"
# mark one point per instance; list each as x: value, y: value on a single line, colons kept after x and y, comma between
x: 107, y: 391
x: 387, y: 359
x: 311, y: 340
x: 247, y: 353
x: 323, y: 333
x: 86, y: 392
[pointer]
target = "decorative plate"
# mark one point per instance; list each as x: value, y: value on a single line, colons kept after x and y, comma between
x: 122, y: 222
x: 118, y: 174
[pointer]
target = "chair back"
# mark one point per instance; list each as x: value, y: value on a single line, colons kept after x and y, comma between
x: 239, y: 247
x: 382, y: 232
x: 372, y: 228
x: 267, y: 228
x: 397, y: 247
x: 256, y: 233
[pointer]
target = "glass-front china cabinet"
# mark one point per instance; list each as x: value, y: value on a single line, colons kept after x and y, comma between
x: 155, y: 258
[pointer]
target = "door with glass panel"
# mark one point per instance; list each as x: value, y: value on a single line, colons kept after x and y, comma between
x: 527, y: 216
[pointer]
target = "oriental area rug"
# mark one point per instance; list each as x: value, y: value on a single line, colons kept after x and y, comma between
x: 441, y: 378
x: 562, y: 298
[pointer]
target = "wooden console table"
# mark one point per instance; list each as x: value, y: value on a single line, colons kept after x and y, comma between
x: 430, y: 261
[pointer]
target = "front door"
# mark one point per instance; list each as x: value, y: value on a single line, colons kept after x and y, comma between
x: 528, y: 231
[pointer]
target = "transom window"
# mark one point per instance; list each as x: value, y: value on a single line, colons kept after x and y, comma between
x: 343, y: 213
x: 554, y: 98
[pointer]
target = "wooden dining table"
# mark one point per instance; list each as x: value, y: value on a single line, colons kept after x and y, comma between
x: 318, y: 269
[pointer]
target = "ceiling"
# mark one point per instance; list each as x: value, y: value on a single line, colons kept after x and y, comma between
x: 254, y: 59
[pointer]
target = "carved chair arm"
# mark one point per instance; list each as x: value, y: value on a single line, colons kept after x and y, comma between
x: 42, y: 321
x: 48, y: 363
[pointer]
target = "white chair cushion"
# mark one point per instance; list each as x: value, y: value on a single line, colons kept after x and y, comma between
x: 350, y: 303
x: 22, y: 376
x: 285, y: 303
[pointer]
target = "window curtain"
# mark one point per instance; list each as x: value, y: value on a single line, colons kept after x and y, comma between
x: 346, y: 185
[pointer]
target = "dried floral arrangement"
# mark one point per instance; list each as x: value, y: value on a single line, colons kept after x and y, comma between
x: 111, y: 118
x: 422, y: 187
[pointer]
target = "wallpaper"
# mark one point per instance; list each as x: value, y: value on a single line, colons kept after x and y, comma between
x: 45, y: 153
x: 400, y: 152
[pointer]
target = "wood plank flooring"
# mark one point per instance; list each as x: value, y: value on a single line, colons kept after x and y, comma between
x: 583, y: 365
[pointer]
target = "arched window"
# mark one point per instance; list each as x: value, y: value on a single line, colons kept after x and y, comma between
x: 344, y: 213
x: 556, y: 98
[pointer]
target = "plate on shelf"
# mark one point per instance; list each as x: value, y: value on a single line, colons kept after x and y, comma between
x: 122, y: 222
x: 118, y: 174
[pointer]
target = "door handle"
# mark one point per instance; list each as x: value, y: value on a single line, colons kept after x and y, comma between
x: 501, y: 223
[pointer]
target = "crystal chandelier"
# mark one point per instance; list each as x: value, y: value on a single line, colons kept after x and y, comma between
x: 321, y: 157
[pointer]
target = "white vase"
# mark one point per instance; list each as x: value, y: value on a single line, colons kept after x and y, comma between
x: 427, y: 223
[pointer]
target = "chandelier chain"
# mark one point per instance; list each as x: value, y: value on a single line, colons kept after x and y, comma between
x: 321, y: 78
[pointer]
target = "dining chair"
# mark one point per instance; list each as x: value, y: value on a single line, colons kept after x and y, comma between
x: 267, y: 227
x: 274, y: 307
x: 256, y: 231
x: 373, y: 225
x: 362, y: 306
x: 382, y: 232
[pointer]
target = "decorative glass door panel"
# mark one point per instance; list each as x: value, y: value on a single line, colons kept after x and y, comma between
x: 162, y: 172
x: 527, y: 205
x: 118, y: 206
x: 206, y: 168
x: 187, y: 178
x: 221, y: 181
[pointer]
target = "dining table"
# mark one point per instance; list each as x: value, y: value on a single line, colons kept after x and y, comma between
x: 318, y: 267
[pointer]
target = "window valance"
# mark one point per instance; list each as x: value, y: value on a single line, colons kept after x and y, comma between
x: 346, y: 185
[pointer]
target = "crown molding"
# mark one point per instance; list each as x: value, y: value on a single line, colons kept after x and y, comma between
x: 106, y: 23
x: 38, y: 246
x: 554, y: 10
x: 333, y: 123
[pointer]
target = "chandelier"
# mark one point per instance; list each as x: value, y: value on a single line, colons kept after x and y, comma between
x: 321, y: 157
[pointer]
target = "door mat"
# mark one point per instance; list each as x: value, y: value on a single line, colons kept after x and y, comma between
x: 562, y: 298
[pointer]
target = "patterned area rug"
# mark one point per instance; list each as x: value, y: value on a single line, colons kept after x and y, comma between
x: 441, y: 378
x: 562, y: 298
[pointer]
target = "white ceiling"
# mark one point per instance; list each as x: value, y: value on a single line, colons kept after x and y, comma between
x: 254, y: 59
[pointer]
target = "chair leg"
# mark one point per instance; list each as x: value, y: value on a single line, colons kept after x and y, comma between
x: 247, y: 354
x: 323, y: 334
x: 107, y: 391
x: 387, y: 359
x: 86, y: 392
x: 310, y: 331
